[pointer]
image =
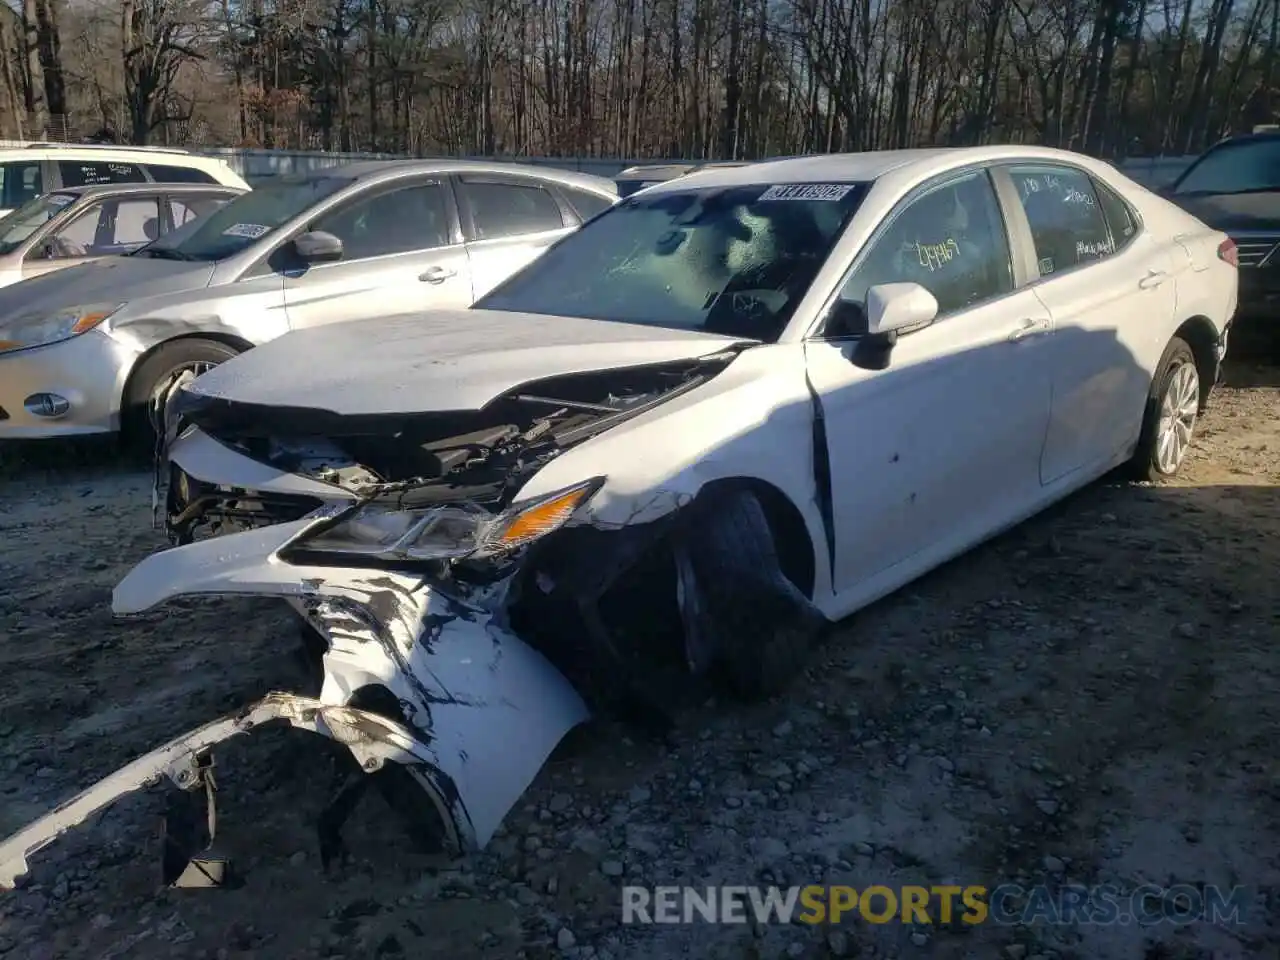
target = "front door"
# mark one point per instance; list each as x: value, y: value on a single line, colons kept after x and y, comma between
x: 942, y: 446
x: 401, y: 254
x: 1111, y: 292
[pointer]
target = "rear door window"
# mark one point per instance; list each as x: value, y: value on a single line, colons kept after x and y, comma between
x: 585, y: 203
x: 165, y: 173
x: 137, y: 222
x: 182, y: 210
x: 1066, y: 220
x: 86, y: 173
x: 509, y: 209
x: 20, y: 181
x: 1120, y: 218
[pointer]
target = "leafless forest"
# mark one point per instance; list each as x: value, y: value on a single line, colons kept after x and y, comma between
x: 640, y: 78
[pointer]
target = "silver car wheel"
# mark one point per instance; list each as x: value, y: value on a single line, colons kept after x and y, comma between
x: 1178, y: 410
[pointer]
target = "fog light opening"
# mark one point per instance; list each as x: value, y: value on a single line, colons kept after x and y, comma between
x: 47, y: 405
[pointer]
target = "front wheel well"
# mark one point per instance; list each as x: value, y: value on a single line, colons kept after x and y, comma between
x: 239, y: 344
x: 1202, y: 337
x: 790, y: 533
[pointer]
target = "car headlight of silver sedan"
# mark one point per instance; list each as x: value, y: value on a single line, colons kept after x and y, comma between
x: 376, y: 530
x: 22, y: 333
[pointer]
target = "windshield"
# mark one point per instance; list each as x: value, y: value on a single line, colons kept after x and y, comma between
x: 30, y: 217
x: 1245, y: 167
x: 734, y: 260
x: 244, y: 220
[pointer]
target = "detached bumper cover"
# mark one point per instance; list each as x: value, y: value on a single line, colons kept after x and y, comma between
x: 481, y: 709
x: 373, y: 740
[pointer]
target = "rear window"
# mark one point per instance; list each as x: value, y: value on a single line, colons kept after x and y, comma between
x: 164, y: 173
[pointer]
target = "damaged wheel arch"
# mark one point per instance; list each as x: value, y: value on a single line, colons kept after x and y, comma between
x: 730, y: 575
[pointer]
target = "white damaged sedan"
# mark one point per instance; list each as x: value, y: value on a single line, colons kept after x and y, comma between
x: 730, y: 410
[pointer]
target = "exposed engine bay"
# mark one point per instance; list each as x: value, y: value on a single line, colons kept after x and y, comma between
x: 481, y: 457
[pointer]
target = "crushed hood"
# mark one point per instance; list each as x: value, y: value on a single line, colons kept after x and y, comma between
x: 443, y: 361
x: 112, y: 280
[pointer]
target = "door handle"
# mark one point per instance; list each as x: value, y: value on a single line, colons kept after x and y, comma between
x: 436, y: 274
x: 1153, y: 279
x: 1029, y: 328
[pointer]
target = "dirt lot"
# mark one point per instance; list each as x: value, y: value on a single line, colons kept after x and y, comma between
x: 1092, y: 698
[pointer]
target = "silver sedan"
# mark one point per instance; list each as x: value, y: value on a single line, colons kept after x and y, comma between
x: 94, y: 348
x: 75, y: 225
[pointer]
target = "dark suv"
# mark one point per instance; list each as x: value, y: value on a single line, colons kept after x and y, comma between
x: 1234, y: 186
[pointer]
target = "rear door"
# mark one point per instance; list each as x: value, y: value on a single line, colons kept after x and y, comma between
x: 402, y: 253
x: 508, y: 222
x: 1112, y: 297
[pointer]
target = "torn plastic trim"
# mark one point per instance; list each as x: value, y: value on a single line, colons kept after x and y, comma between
x: 490, y: 707
x: 211, y: 461
x: 373, y: 741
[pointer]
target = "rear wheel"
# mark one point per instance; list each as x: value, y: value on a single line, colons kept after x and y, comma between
x: 1173, y: 406
x: 156, y: 374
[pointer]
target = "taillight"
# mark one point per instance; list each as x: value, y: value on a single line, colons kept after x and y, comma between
x: 1227, y: 252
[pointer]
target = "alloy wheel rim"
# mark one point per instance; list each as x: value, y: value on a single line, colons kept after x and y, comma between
x: 1178, y: 410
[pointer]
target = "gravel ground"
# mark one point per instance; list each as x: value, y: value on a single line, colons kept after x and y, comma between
x: 1090, y: 698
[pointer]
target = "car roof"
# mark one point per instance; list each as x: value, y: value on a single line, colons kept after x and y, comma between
x: 382, y: 170
x: 862, y: 167
x: 669, y: 171
x: 1256, y: 136
x: 176, y: 156
x: 113, y: 189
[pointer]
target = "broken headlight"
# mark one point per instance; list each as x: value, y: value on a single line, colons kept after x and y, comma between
x: 377, y: 530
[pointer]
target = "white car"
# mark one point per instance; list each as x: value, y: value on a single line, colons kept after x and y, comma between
x: 733, y: 408
x: 31, y: 169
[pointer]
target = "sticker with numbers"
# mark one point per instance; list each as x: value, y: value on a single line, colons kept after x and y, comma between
x: 251, y: 231
x: 807, y: 191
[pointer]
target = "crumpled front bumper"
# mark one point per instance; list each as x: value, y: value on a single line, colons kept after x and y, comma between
x: 481, y: 709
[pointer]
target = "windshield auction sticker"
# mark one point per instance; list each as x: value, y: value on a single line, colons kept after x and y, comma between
x: 61, y: 199
x: 251, y: 231
x: 807, y: 191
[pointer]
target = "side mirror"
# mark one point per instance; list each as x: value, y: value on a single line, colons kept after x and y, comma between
x: 899, y: 308
x: 892, y: 309
x: 317, y: 247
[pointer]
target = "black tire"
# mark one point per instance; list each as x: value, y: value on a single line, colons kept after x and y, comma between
x: 154, y: 371
x: 1147, y: 463
x: 765, y: 627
